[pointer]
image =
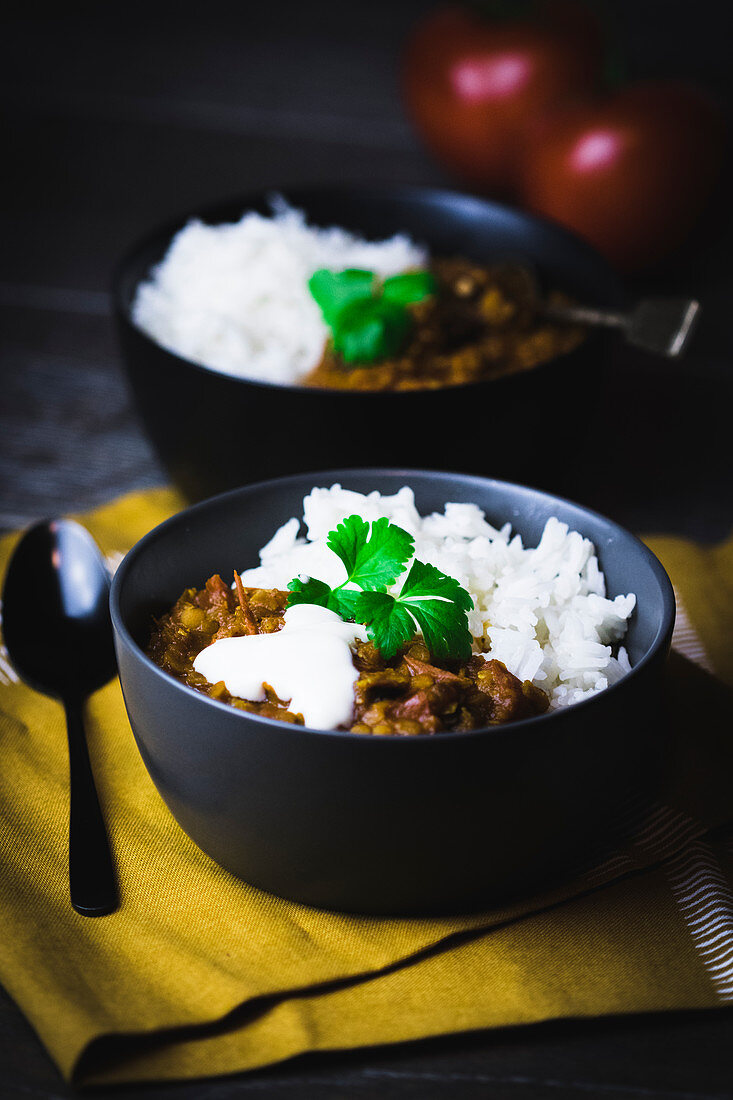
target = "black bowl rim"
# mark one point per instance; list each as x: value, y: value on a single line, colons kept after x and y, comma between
x: 299, y: 195
x: 660, y: 642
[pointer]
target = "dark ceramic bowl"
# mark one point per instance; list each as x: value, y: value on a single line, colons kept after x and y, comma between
x: 388, y: 824
x: 214, y: 432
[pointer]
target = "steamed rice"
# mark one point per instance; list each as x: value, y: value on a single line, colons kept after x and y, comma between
x: 235, y: 297
x: 542, y: 611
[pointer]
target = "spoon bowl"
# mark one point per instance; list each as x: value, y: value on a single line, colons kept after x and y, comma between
x: 58, y: 633
x: 56, y: 620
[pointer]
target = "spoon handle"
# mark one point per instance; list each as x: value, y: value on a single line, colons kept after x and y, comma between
x: 92, y: 882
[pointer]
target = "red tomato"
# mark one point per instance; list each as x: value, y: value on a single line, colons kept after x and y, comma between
x: 631, y: 174
x: 472, y: 86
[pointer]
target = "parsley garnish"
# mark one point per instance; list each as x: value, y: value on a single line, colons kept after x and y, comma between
x: 413, y: 286
x: 374, y: 556
x: 370, y: 329
x: 368, y: 321
x: 372, y: 559
x: 334, y: 290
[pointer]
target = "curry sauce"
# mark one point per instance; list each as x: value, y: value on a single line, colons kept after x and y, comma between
x: 408, y: 694
x: 480, y: 324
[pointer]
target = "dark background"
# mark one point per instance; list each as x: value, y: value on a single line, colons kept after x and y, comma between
x: 119, y: 117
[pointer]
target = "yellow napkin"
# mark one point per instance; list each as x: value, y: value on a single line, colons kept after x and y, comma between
x: 198, y: 973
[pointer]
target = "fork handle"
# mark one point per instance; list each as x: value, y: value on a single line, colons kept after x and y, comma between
x: 92, y: 881
x: 586, y: 315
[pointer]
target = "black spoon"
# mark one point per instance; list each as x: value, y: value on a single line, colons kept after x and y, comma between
x: 58, y: 634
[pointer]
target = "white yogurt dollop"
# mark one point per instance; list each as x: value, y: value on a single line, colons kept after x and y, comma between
x: 307, y: 662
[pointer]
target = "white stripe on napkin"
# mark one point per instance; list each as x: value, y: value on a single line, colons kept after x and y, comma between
x: 706, y: 903
x: 686, y: 640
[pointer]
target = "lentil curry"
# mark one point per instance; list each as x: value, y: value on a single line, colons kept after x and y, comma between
x: 480, y: 324
x: 408, y: 694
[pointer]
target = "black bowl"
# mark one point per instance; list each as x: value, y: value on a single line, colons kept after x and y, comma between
x: 214, y: 432
x: 388, y: 824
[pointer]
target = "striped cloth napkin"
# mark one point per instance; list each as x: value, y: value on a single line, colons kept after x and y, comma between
x: 199, y: 974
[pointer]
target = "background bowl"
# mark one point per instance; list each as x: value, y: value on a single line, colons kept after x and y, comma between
x: 214, y: 432
x: 388, y: 824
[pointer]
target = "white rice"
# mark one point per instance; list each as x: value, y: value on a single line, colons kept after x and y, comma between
x: 235, y: 297
x: 543, y: 610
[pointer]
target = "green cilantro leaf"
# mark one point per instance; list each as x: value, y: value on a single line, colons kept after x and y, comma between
x: 310, y: 590
x: 344, y: 601
x: 389, y: 623
x: 334, y: 290
x: 430, y: 601
x: 413, y: 286
x: 439, y: 604
x: 369, y: 329
x: 375, y: 558
x: 425, y: 580
x: 347, y: 540
x: 368, y: 321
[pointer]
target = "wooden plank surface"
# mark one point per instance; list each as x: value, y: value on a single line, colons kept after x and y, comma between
x: 112, y: 124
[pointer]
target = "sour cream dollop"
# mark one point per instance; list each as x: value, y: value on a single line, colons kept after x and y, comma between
x: 307, y: 662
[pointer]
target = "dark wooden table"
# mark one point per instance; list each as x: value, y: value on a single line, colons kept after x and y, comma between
x: 117, y: 120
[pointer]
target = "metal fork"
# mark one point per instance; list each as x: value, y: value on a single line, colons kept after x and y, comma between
x: 663, y: 326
